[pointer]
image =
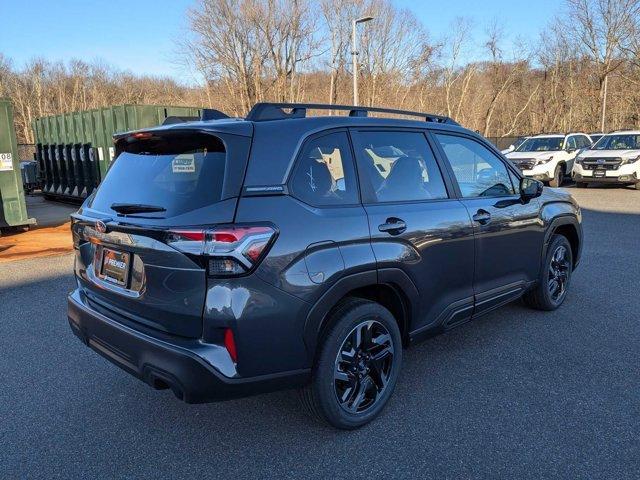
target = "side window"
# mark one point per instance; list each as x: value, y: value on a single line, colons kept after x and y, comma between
x: 479, y: 172
x: 586, y: 143
x: 571, y: 143
x: 515, y: 181
x: 397, y: 167
x: 324, y: 173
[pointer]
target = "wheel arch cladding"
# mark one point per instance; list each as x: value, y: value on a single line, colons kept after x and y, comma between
x: 392, y: 298
x: 399, y: 300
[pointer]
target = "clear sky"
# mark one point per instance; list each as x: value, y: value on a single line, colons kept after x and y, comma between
x: 140, y: 35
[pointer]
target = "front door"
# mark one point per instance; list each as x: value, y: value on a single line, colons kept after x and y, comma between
x: 508, y: 233
x: 416, y: 223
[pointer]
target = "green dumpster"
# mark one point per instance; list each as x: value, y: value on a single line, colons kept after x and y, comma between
x: 14, y: 209
x: 70, y: 139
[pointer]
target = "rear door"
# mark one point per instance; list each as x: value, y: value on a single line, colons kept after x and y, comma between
x: 416, y: 223
x: 134, y: 258
x: 509, y: 234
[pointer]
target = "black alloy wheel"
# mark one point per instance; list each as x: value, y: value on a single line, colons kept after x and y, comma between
x: 551, y: 288
x: 363, y: 366
x: 558, y: 273
x: 357, y: 365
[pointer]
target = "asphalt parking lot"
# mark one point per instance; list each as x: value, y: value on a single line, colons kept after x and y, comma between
x: 516, y: 394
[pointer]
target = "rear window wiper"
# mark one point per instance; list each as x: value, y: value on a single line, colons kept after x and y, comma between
x: 127, y: 208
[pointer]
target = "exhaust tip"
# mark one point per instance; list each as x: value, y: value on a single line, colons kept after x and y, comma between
x: 159, y: 381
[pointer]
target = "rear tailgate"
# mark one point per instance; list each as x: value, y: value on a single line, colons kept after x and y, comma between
x: 125, y: 262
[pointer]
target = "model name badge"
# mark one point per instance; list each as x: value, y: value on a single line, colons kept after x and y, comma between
x: 274, y: 188
x: 269, y: 188
x: 116, y: 263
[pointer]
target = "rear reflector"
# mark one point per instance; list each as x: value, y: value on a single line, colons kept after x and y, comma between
x: 230, y: 345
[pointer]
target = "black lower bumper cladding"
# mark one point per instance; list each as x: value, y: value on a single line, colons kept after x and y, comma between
x: 188, y: 372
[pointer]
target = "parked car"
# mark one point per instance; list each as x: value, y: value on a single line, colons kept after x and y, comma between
x: 595, y: 137
x: 549, y: 158
x: 229, y: 257
x: 615, y: 158
x: 514, y: 145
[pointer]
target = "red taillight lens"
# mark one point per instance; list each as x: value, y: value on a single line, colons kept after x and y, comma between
x: 188, y: 241
x: 254, y: 251
x: 237, y: 234
x: 192, y: 235
x: 230, y: 251
x: 230, y: 345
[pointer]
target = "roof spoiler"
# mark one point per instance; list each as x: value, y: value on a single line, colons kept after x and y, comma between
x: 207, y: 114
x: 175, y: 119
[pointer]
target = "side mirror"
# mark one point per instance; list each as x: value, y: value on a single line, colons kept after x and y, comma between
x: 530, y: 188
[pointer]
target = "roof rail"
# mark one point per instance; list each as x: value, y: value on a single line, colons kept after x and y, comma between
x: 264, y: 111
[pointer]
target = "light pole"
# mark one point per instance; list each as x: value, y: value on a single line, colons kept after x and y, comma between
x: 354, y: 54
x: 604, y: 103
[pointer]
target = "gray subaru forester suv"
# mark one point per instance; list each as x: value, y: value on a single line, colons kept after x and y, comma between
x: 225, y: 257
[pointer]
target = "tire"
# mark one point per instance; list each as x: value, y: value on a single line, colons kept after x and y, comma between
x: 558, y: 177
x: 366, y: 385
x: 637, y: 185
x: 582, y: 184
x: 556, y: 271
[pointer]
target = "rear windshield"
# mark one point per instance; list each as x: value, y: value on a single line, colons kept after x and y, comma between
x: 176, y: 173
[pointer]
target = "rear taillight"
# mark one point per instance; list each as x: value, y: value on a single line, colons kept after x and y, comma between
x: 228, y: 251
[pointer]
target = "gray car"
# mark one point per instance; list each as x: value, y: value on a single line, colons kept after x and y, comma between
x: 227, y: 257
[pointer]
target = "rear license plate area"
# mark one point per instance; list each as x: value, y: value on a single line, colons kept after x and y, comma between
x: 114, y: 267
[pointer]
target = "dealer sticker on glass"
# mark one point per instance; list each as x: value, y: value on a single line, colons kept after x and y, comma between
x: 183, y: 164
x: 6, y: 162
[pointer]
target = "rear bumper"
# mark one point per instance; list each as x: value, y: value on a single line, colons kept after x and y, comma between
x: 190, y: 368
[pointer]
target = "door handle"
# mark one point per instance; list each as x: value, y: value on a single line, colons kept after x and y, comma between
x: 482, y: 217
x: 393, y: 226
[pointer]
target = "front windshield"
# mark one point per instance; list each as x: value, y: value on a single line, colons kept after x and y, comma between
x: 541, y: 144
x: 618, y: 142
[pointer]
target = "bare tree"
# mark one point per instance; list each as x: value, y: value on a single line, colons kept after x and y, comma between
x: 251, y: 50
x: 394, y: 47
x: 455, y: 74
x: 602, y: 28
x: 337, y: 16
x: 226, y: 46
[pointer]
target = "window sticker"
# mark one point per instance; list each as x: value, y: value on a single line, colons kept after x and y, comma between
x: 183, y: 164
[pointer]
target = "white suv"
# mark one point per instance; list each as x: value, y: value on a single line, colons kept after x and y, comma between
x: 549, y: 158
x: 615, y: 158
